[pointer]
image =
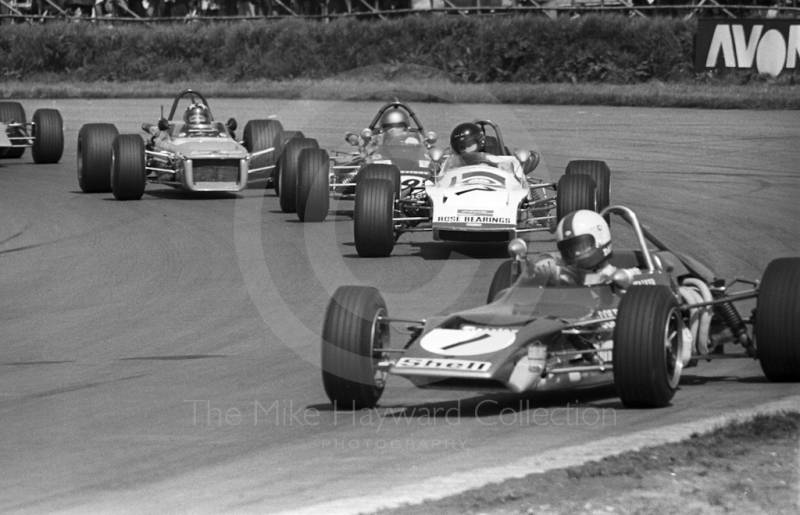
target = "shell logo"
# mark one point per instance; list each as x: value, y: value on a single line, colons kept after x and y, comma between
x: 772, y: 46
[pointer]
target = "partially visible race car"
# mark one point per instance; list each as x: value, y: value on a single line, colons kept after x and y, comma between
x: 194, y: 155
x: 638, y: 332
x: 491, y: 196
x: 307, y: 176
x: 44, y: 135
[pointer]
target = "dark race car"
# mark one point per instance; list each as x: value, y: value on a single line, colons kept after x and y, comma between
x: 307, y: 176
x: 44, y: 135
x: 637, y: 332
x: 191, y: 151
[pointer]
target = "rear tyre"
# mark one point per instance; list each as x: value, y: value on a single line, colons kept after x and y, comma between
x: 599, y: 171
x: 648, y: 343
x: 503, y: 278
x: 94, y: 157
x: 351, y: 342
x: 48, y: 132
x: 388, y: 172
x: 575, y: 192
x: 777, y: 325
x: 261, y: 135
x: 313, y: 191
x: 373, y: 224
x: 286, y: 179
x: 12, y: 112
x: 127, y: 168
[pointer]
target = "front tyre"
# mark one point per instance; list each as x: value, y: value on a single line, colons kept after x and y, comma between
x: 503, y: 279
x: 261, y: 135
x: 94, y: 157
x: 381, y: 171
x: 647, y: 347
x: 575, y: 192
x: 352, y: 339
x: 777, y: 327
x: 313, y: 191
x: 373, y: 218
x: 48, y: 136
x: 128, y: 168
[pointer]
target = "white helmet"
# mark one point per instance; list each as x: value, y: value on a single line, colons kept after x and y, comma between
x: 584, y: 240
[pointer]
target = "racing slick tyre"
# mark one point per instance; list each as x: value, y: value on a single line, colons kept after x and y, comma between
x: 261, y: 135
x: 373, y: 223
x: 388, y: 172
x: 286, y: 179
x: 351, y: 341
x: 48, y: 132
x: 575, y: 192
x: 313, y: 191
x: 777, y: 327
x: 12, y: 112
x: 648, y: 342
x: 94, y: 157
x: 127, y: 167
x: 503, y: 278
x: 599, y: 171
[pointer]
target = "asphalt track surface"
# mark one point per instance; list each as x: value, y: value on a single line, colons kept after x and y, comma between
x: 162, y: 356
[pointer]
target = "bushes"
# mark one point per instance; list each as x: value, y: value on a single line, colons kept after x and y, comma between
x: 611, y: 49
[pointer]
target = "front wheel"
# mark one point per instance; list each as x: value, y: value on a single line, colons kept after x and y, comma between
x: 575, y: 192
x: 313, y: 192
x: 94, y: 157
x: 648, y: 344
x: 48, y: 136
x: 352, y: 339
x: 381, y: 171
x: 373, y: 218
x: 777, y: 325
x: 503, y: 278
x: 128, y: 168
x: 261, y: 135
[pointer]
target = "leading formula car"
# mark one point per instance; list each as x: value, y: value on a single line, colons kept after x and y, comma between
x: 44, y: 135
x: 307, y: 176
x: 492, y: 196
x: 194, y: 152
x: 637, y: 332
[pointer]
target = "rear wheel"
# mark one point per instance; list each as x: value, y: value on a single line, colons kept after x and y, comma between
x: 352, y: 339
x: 94, y: 157
x: 503, y: 279
x: 261, y: 135
x: 313, y: 192
x: 388, y: 172
x: 286, y: 179
x: 48, y: 132
x: 575, y: 192
x: 648, y: 343
x: 599, y: 171
x: 12, y: 112
x: 373, y: 218
x: 777, y: 326
x: 127, y: 168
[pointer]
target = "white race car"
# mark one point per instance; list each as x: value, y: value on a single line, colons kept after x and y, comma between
x: 475, y: 197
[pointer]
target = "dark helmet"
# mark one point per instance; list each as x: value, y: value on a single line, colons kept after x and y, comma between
x: 394, y: 119
x: 584, y: 240
x: 197, y: 114
x: 467, y: 137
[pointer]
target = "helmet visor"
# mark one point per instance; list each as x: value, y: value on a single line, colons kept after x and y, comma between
x: 573, y: 249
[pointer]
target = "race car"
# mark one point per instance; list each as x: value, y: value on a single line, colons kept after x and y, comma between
x: 193, y: 152
x: 307, y: 176
x: 490, y: 196
x: 44, y: 135
x: 638, y: 332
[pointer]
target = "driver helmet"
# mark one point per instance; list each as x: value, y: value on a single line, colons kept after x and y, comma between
x: 197, y: 114
x: 394, y: 118
x: 467, y: 137
x: 584, y: 239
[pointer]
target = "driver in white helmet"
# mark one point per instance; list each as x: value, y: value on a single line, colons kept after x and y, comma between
x: 584, y: 243
x: 395, y: 128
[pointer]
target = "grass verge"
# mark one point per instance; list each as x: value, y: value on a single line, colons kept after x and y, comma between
x: 756, y: 95
x: 745, y: 467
